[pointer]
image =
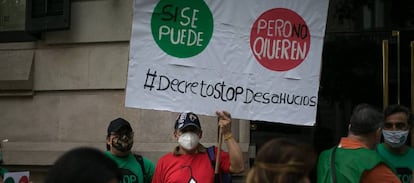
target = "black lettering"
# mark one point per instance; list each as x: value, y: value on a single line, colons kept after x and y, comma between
x: 304, y: 32
x: 248, y: 99
x: 239, y: 91
x: 282, y: 97
x: 296, y: 101
x: 160, y: 83
x: 290, y: 99
x: 173, y: 83
x: 275, y: 99
x: 194, y: 85
x: 222, y: 91
x: 266, y: 99
x: 219, y: 91
x: 306, y: 100
x: 232, y: 93
x: 149, y: 80
x: 201, y: 89
x: 185, y: 87
x: 313, y: 101
x: 210, y: 90
x: 300, y: 31
x: 257, y: 96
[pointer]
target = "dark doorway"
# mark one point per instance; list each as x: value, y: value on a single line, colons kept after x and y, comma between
x: 352, y: 69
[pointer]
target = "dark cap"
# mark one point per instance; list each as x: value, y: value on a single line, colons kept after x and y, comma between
x: 117, y: 124
x: 187, y: 119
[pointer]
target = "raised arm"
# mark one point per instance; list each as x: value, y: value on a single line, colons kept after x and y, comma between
x: 236, y: 156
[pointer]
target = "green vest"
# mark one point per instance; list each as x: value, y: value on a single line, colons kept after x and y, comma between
x: 349, y: 164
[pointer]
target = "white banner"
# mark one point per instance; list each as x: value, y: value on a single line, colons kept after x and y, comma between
x: 18, y: 177
x: 259, y: 60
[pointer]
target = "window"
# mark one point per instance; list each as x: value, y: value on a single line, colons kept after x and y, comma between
x: 25, y: 20
x: 47, y: 15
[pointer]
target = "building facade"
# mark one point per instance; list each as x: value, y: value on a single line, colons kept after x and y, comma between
x: 61, y: 90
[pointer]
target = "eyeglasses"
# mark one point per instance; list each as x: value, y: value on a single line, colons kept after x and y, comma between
x: 397, y: 126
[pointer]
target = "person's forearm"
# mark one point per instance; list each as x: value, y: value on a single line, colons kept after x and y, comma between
x: 236, y: 156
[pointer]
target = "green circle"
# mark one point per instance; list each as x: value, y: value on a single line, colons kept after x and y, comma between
x: 182, y: 28
x: 9, y: 180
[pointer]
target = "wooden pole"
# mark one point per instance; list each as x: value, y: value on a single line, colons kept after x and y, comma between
x: 220, y: 141
x: 385, y: 88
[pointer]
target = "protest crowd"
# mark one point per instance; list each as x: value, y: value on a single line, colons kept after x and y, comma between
x: 359, y: 157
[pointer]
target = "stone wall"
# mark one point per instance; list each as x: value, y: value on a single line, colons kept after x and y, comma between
x: 73, y: 85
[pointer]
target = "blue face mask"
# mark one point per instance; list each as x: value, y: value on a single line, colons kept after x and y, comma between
x: 395, y: 138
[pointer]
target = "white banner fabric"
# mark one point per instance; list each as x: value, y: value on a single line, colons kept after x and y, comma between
x: 259, y: 60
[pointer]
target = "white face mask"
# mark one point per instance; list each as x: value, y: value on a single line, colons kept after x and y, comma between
x: 188, y: 140
x: 395, y: 138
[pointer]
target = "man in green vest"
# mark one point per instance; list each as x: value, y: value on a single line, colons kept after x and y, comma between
x: 397, y: 126
x: 119, y: 141
x: 353, y: 159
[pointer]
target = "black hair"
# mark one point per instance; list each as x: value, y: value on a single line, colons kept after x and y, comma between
x: 83, y: 165
x: 365, y: 119
x: 396, y: 108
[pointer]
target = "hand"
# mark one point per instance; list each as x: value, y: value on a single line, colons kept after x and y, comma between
x: 224, y: 121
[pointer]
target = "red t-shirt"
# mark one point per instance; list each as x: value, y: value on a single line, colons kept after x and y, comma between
x: 183, y: 168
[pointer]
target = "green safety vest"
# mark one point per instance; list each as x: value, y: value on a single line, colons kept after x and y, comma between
x: 349, y: 164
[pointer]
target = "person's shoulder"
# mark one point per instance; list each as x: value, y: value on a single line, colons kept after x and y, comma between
x: 381, y: 145
x: 147, y: 160
x: 326, y: 151
x: 380, y: 173
x: 410, y: 151
x: 167, y: 156
x: 110, y: 155
x: 380, y: 148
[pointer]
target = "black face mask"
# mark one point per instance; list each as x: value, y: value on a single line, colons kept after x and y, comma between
x: 123, y: 142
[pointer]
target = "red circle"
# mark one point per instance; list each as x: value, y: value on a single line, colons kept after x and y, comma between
x: 24, y: 179
x: 280, y: 39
